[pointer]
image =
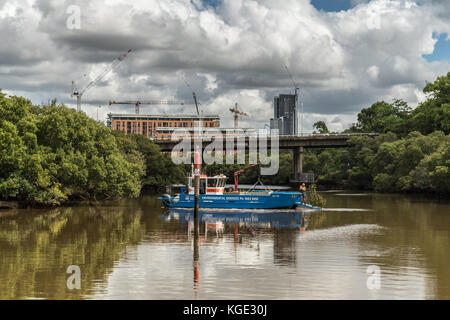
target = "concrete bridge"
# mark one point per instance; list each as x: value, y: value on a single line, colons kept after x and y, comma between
x: 294, y: 143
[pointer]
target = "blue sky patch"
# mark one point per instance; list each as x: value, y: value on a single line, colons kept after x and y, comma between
x: 332, y: 5
x: 441, y: 49
x: 325, y: 5
x: 211, y: 3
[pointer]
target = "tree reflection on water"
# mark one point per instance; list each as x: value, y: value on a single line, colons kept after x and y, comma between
x: 133, y: 248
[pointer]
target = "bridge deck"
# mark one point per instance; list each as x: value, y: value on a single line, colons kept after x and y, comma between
x: 285, y: 142
x: 294, y: 143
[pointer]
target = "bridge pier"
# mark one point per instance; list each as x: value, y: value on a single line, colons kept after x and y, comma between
x: 298, y: 160
x: 294, y: 143
x: 298, y: 176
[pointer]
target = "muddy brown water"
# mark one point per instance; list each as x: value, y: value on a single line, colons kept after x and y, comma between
x: 362, y: 246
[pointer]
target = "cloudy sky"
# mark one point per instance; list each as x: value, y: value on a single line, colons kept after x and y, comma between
x: 345, y: 54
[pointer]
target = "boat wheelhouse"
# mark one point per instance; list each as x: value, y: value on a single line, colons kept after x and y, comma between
x: 208, y: 185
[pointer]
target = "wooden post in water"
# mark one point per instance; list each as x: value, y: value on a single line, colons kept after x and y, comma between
x: 196, y: 258
x: 196, y: 194
x: 197, y: 161
x: 196, y: 184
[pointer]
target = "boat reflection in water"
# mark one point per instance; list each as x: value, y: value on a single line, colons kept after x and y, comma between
x: 213, y: 223
x: 216, y: 220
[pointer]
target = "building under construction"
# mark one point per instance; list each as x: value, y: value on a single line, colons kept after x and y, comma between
x: 158, y: 126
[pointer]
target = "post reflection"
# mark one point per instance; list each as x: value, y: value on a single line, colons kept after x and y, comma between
x: 241, y: 227
x: 236, y: 222
x: 131, y: 250
x: 196, y: 258
x: 302, y: 224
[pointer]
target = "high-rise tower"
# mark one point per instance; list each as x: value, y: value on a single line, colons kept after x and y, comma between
x: 285, y: 114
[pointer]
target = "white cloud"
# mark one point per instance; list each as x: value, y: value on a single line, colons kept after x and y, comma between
x: 343, y: 61
x: 373, y: 72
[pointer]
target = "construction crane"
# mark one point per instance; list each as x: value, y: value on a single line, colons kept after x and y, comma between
x: 193, y: 95
x: 296, y: 89
x: 237, y: 173
x: 237, y: 113
x: 138, y: 103
x: 113, y: 65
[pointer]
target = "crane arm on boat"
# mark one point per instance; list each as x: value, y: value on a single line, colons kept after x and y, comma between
x: 237, y: 173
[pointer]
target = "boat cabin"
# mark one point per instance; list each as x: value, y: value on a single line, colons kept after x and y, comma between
x: 208, y: 185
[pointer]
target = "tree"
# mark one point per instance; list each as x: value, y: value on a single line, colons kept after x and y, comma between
x: 53, y: 154
x: 321, y: 127
x: 382, y: 117
x: 434, y: 113
x: 160, y: 170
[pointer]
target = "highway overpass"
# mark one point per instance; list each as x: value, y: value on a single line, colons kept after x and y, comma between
x: 294, y: 143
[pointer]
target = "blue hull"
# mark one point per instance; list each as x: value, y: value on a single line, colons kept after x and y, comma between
x: 274, y: 200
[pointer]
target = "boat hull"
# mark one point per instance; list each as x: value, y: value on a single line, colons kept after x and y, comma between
x: 274, y: 200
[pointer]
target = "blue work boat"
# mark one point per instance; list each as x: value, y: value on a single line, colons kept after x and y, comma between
x: 240, y: 200
x: 214, y: 195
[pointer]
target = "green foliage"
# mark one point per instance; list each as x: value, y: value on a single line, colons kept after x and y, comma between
x: 416, y: 163
x: 320, y: 126
x: 53, y: 154
x: 384, y: 183
x: 382, y: 117
x: 432, y: 173
x: 434, y: 113
x: 411, y: 154
x: 431, y: 115
x: 314, y: 198
x: 160, y: 170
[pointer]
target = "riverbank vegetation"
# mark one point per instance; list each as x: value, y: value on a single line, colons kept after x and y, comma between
x: 387, y: 163
x: 411, y: 153
x: 52, y: 154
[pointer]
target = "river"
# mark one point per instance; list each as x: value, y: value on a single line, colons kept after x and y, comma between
x: 362, y: 246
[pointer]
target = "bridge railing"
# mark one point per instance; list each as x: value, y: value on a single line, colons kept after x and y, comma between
x: 287, y: 135
x: 328, y: 134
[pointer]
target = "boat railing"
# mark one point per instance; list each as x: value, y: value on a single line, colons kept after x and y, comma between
x: 256, y: 193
